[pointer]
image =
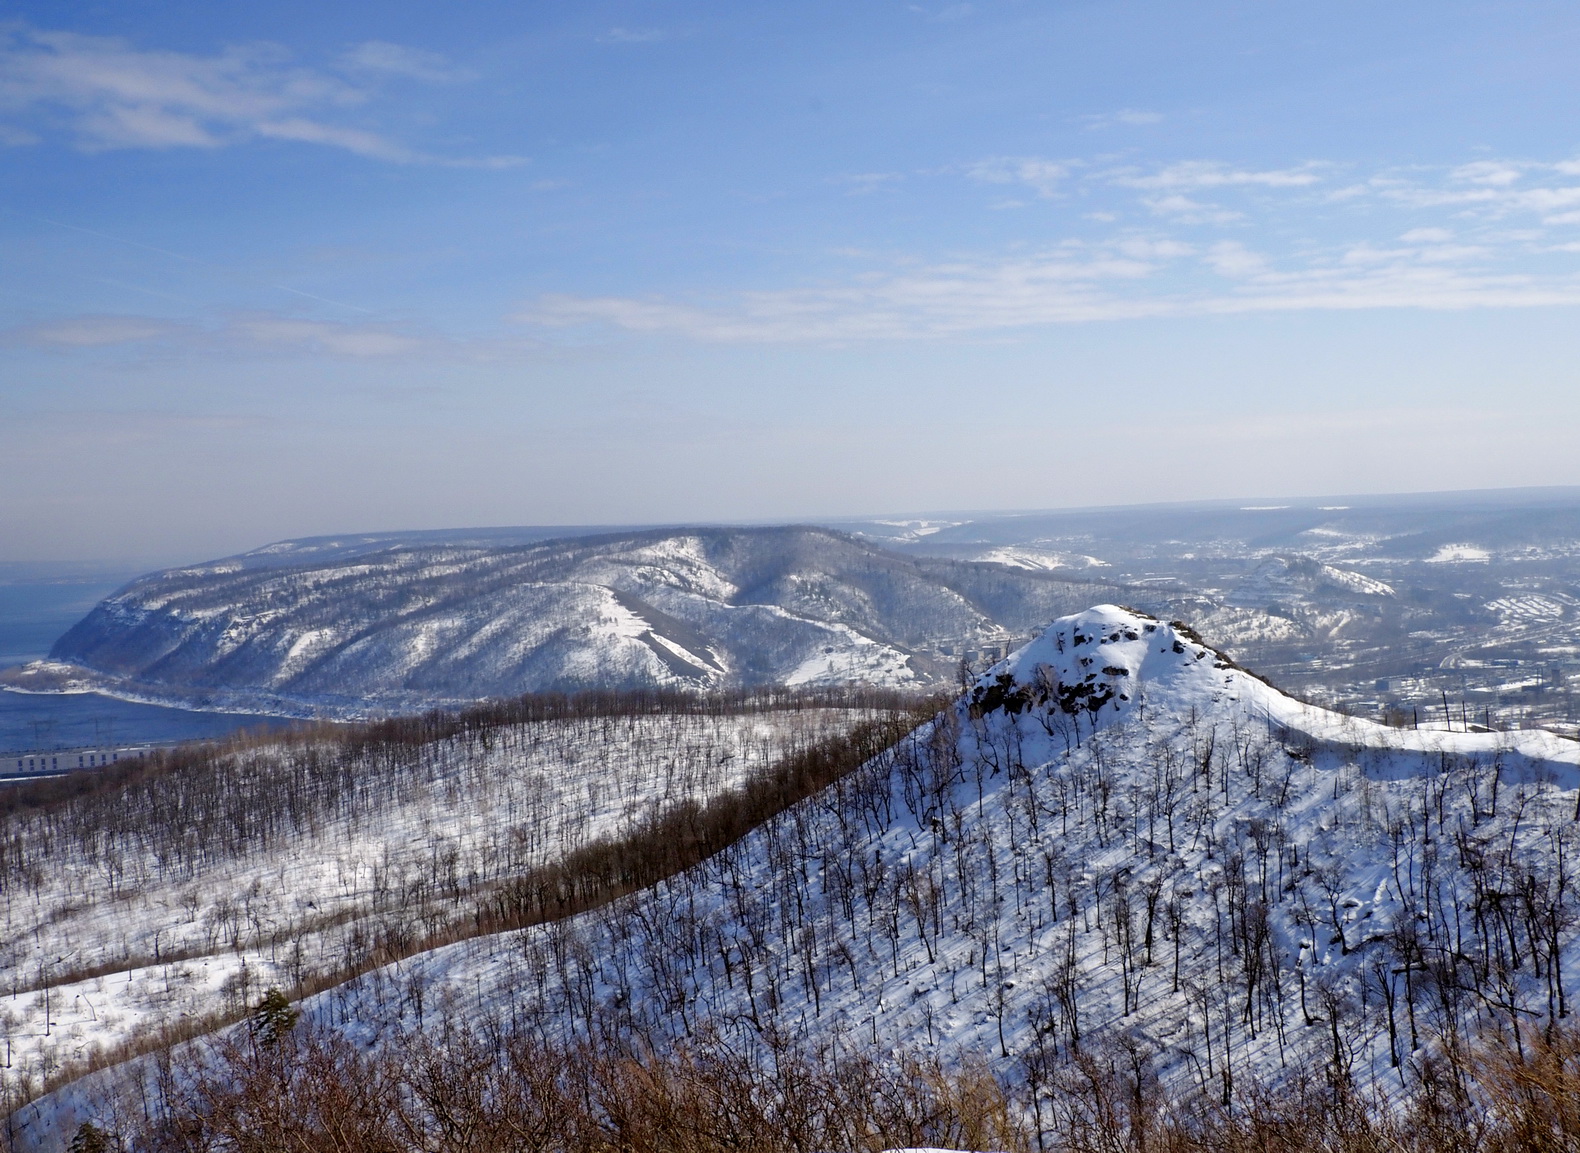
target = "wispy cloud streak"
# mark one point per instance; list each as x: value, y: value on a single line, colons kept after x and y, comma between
x: 248, y: 333
x: 110, y: 95
x: 1470, y: 260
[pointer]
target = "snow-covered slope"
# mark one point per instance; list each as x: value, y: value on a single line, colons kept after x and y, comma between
x: 1279, y: 577
x: 412, y: 627
x: 1036, y: 559
x: 270, y: 863
x: 1117, y: 841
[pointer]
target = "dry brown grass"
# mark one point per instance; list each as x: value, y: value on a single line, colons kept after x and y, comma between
x: 464, y: 1090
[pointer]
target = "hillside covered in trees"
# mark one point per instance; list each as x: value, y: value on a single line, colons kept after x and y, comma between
x: 1117, y: 857
x: 150, y: 897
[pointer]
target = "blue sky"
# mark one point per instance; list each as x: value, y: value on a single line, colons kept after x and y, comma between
x: 285, y: 268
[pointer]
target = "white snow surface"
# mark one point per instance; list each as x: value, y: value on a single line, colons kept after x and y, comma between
x: 1038, y: 559
x: 984, y: 888
x: 173, y: 945
x: 1459, y: 554
x: 1528, y: 609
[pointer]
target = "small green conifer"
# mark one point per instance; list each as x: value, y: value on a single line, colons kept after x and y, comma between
x: 89, y: 1138
x: 273, y: 1018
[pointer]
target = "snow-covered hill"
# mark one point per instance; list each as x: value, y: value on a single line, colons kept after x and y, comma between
x: 1118, y: 842
x: 414, y: 626
x: 152, y: 901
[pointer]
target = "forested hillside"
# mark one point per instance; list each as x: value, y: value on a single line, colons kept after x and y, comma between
x: 152, y: 897
x: 1119, y: 848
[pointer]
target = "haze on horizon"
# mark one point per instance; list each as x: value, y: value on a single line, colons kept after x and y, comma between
x: 284, y: 269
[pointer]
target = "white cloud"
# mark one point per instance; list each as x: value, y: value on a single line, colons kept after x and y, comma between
x: 1187, y: 211
x: 1129, y: 117
x: 1485, y: 189
x: 1044, y: 176
x: 380, y: 56
x: 1544, y: 200
x: 1232, y: 259
x: 1348, y: 192
x: 861, y: 183
x: 633, y: 36
x: 1423, y: 245
x: 367, y: 144
x: 1447, y: 253
x: 1169, y: 190
x: 1365, y: 254
x: 1192, y: 174
x: 1153, y: 248
x: 945, y: 299
x: 110, y: 95
x: 1402, y: 251
x: 1496, y: 173
x: 357, y: 341
x: 91, y: 331
x: 247, y: 332
x: 115, y: 96
x: 1398, y: 284
x: 1493, y: 189
x: 1078, y: 283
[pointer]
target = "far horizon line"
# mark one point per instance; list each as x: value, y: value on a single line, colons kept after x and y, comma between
x: 1226, y: 504
x: 85, y: 568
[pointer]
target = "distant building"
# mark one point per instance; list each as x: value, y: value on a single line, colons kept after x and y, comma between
x: 43, y: 764
x: 987, y: 653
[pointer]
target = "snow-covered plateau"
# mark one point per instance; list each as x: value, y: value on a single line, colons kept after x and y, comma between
x: 1117, y: 841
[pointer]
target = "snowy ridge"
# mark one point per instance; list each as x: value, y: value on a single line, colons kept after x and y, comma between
x: 411, y: 628
x: 1116, y: 840
x: 1109, y: 661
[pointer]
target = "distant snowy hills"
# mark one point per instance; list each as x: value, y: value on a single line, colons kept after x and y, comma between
x: 1387, y: 528
x: 1383, y: 603
x: 348, y: 627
